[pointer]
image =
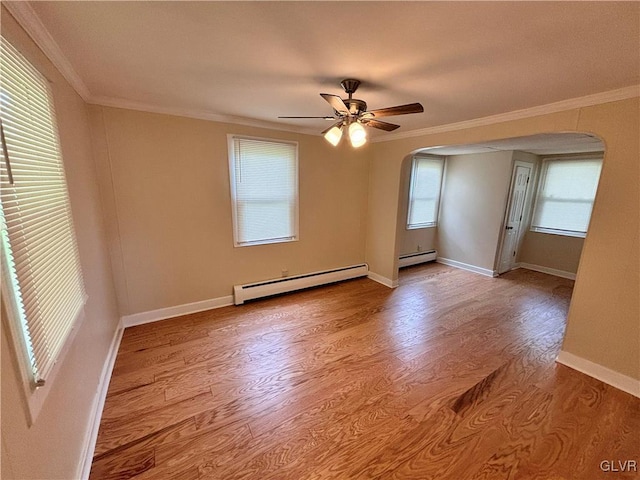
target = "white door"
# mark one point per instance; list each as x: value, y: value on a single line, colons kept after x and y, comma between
x: 515, y: 209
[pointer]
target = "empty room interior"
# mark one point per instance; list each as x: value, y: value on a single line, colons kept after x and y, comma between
x: 304, y: 240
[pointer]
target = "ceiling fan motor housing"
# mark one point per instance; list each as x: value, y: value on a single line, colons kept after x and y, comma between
x: 350, y: 85
x: 356, y: 107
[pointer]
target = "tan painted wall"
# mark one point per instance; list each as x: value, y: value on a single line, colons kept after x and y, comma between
x: 551, y: 251
x: 418, y: 240
x: 409, y: 240
x: 604, y: 317
x: 603, y: 324
x: 474, y: 199
x: 53, y: 446
x: 165, y: 181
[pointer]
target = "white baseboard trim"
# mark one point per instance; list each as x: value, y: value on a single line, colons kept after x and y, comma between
x: 604, y: 374
x: 465, y: 266
x: 550, y: 271
x: 97, y: 406
x: 176, y: 311
x: 387, y: 282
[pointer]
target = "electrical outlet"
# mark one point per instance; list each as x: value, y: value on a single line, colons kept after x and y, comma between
x: 285, y: 272
x: 419, y: 249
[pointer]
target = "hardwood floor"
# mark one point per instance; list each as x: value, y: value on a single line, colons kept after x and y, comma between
x: 449, y: 376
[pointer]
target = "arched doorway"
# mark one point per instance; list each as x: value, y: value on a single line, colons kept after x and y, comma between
x: 602, y: 337
x: 487, y: 200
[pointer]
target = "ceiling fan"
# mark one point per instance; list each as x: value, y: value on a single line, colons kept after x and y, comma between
x: 352, y: 115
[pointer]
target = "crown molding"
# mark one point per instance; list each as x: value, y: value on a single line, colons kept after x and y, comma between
x: 198, y: 114
x: 26, y: 16
x: 572, y: 103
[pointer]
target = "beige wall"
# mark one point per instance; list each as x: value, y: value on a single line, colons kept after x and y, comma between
x: 474, y: 199
x: 417, y: 239
x: 165, y: 181
x: 603, y: 322
x: 552, y: 251
x: 53, y: 446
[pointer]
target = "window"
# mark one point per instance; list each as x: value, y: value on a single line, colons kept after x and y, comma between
x: 264, y: 190
x: 42, y: 282
x: 424, y: 192
x: 565, y: 195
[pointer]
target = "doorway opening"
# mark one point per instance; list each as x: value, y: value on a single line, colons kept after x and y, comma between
x: 508, y: 204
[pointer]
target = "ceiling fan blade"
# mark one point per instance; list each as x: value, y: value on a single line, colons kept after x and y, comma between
x: 398, y: 110
x: 324, y: 118
x: 337, y: 124
x: 388, y: 127
x: 336, y: 102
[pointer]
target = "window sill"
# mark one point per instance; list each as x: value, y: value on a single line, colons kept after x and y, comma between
x: 418, y: 227
x: 265, y: 242
x: 562, y: 233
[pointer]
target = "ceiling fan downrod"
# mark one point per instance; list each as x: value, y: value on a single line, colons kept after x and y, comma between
x: 354, y: 106
x: 350, y: 85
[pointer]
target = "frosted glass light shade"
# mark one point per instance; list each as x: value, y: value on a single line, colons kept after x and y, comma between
x: 357, y: 135
x: 334, y: 135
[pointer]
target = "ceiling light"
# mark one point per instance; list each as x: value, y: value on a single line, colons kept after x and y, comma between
x: 357, y: 134
x: 333, y: 135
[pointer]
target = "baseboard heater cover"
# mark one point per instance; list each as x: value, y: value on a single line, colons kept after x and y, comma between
x: 250, y: 291
x: 416, y: 258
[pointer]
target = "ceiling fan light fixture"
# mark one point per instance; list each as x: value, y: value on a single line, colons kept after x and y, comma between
x: 351, y: 116
x: 334, y: 135
x: 357, y: 134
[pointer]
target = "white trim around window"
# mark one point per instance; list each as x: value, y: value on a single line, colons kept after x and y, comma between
x: 424, y: 191
x: 42, y: 285
x: 263, y: 176
x: 565, y: 195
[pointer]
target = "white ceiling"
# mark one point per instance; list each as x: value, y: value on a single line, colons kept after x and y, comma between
x: 258, y: 60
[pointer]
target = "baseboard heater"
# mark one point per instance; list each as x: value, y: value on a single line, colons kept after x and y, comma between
x: 266, y: 288
x: 416, y: 258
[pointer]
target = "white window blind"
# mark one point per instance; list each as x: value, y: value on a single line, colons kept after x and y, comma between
x: 565, y: 196
x: 424, y: 192
x: 41, y: 268
x: 264, y: 189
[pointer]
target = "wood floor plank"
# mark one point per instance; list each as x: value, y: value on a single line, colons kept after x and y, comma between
x: 139, y: 455
x: 123, y: 430
x: 188, y: 453
x: 450, y: 376
x: 123, y: 465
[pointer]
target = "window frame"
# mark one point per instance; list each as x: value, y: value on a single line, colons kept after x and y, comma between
x: 544, y: 168
x: 414, y: 161
x: 231, y: 138
x: 34, y: 392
